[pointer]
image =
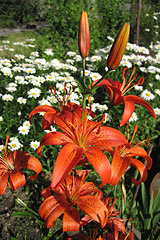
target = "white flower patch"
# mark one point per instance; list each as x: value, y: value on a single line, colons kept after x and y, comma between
x: 23, y: 130
x: 108, y: 117
x: 49, y: 52
x: 11, y: 89
x: 157, y: 91
x: 34, y: 144
x: 6, y: 71
x: 14, y: 144
x: 147, y: 95
x: 157, y: 111
x: 7, y: 97
x: 21, y: 100
x: 95, y: 76
x: 133, y: 118
x: 34, y: 92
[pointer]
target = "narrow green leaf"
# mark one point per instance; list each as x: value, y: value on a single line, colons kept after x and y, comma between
x: 24, y: 214
x: 151, y: 205
x: 28, y: 215
x: 144, y: 198
x: 155, y: 219
x: 156, y: 205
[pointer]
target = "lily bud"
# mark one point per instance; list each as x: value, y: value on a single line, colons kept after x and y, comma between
x: 84, y: 36
x: 118, y: 47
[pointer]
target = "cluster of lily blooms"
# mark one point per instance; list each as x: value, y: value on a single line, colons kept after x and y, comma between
x: 84, y: 140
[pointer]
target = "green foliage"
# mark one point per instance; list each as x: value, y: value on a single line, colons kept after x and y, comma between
x: 15, y: 12
x: 149, y: 215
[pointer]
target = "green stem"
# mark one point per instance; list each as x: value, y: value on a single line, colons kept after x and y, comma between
x: 84, y: 66
x: 83, y: 106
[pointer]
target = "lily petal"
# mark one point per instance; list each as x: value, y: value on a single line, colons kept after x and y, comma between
x: 107, y: 137
x: 54, y: 138
x: 51, y: 209
x: 142, y: 102
x: 71, y: 220
x: 42, y: 108
x: 88, y: 188
x: 17, y: 179
x: 100, y: 162
x: 24, y: 160
x: 128, y: 110
x: 118, y: 167
x: 142, y: 170
x: 94, y: 207
x: 67, y: 159
x: 47, y: 120
x: 138, y: 151
x: 3, y: 182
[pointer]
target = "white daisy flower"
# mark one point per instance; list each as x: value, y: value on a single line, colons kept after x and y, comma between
x: 157, y: 91
x: 35, y: 54
x: 95, y: 58
x: 95, y: 76
x: 11, y: 89
x: 23, y: 82
x: 133, y: 117
x: 147, y: 95
x: 14, y: 144
x: 26, y: 124
x: 44, y: 102
x: 126, y: 63
x: 21, y: 100
x: 49, y: 52
x: 34, y: 144
x: 1, y: 147
x: 30, y: 70
x: 19, y: 78
x: 7, y: 97
x: 108, y: 117
x: 70, y: 61
x: 34, y: 92
x: 41, y: 79
x: 71, y: 54
x: 23, y: 130
x: 157, y: 111
x: 6, y: 71
x: 51, y: 98
x: 139, y: 88
x: 17, y: 69
x: 53, y: 129
x: 157, y: 77
x: 1, y: 118
x: 19, y: 56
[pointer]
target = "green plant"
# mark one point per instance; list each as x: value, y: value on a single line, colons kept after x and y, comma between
x: 149, y: 215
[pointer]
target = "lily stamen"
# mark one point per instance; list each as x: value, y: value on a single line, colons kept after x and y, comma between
x: 124, y: 89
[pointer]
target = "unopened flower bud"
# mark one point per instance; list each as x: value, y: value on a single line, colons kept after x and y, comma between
x: 84, y: 36
x: 118, y: 47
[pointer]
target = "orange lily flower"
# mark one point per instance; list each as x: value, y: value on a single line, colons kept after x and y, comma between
x: 71, y: 192
x: 122, y: 158
x: 10, y: 172
x: 117, y: 91
x: 84, y: 36
x: 78, y: 138
x: 118, y: 47
x: 115, y: 224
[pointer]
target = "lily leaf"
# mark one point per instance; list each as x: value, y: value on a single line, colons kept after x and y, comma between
x: 144, y: 198
x: 156, y: 205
